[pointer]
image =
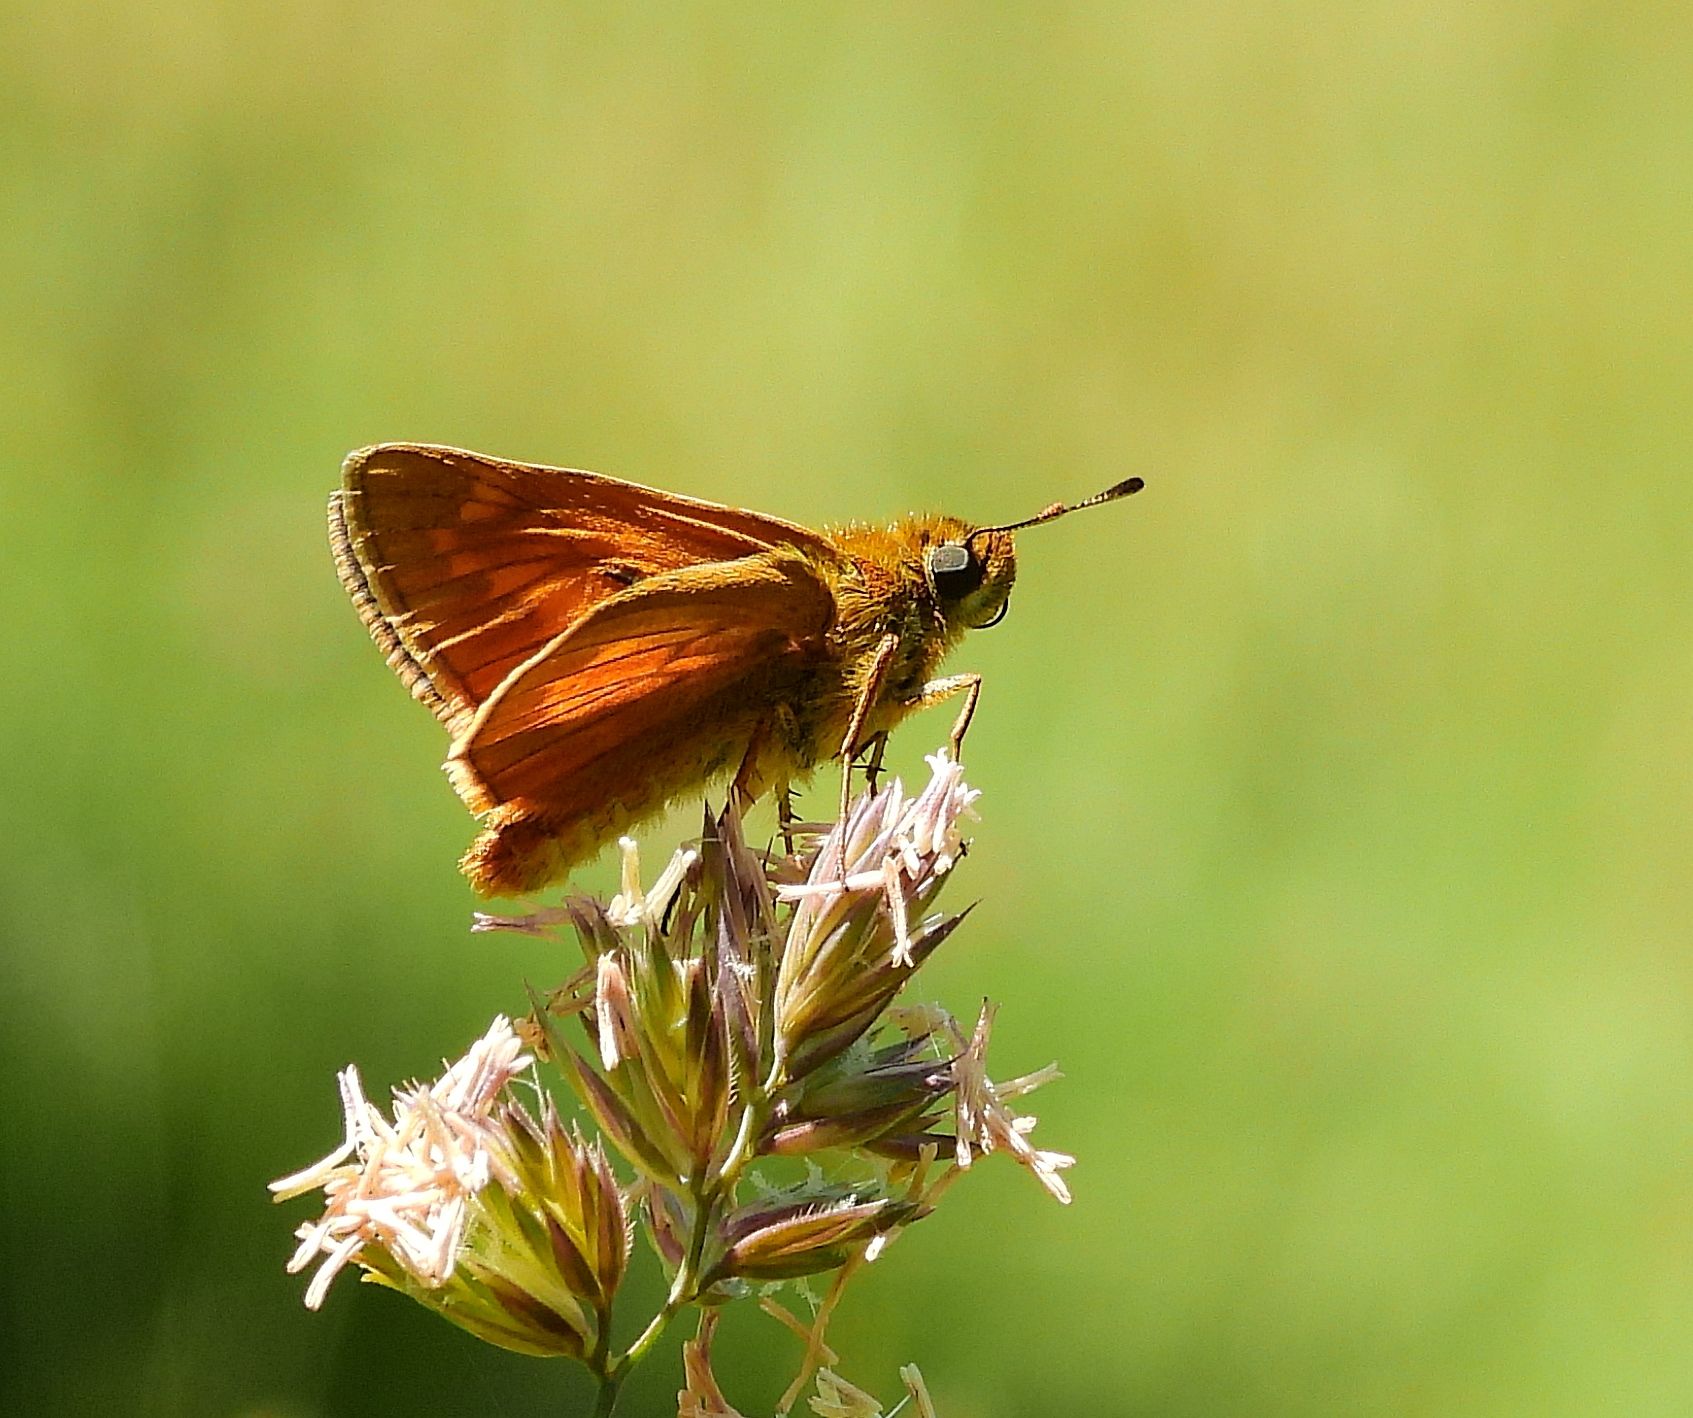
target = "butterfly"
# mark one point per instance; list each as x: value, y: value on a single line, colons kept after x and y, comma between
x: 596, y: 649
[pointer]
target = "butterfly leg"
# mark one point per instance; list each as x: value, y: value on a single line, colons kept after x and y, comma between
x: 748, y: 783
x: 867, y: 696
x: 875, y: 746
x: 785, y: 818
x: 937, y: 690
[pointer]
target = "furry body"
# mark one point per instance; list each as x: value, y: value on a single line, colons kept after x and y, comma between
x: 772, y: 729
x: 598, y: 650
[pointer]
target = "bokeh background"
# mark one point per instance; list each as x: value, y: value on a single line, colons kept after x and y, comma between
x: 1339, y: 808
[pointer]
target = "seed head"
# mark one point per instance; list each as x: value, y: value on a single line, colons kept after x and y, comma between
x: 498, y: 1218
x: 854, y: 942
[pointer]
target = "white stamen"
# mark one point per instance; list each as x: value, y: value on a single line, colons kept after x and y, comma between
x: 628, y: 907
x: 669, y: 882
x: 409, y: 1188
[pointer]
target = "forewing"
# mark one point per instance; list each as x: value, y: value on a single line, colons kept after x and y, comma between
x: 645, y: 674
x: 463, y: 567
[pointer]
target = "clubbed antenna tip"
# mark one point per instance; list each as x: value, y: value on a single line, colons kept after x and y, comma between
x: 1059, y: 509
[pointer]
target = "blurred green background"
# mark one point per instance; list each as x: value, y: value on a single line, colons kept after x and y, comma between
x: 1339, y: 809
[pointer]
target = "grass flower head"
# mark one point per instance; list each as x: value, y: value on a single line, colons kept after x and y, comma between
x: 736, y: 1023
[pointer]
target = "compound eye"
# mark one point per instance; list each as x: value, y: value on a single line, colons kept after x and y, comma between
x: 955, y: 571
x: 949, y: 558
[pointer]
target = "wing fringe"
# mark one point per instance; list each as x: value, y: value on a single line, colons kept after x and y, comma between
x: 357, y: 585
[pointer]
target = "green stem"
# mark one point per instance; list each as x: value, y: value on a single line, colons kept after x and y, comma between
x: 709, y: 1195
x: 682, y: 1289
x: 753, y: 1118
x: 598, y: 1364
x: 607, y: 1401
x: 655, y: 1327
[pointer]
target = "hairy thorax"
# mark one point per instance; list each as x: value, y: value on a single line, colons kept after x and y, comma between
x: 879, y: 591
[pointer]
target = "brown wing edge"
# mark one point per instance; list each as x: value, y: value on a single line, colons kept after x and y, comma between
x: 761, y: 527
x: 357, y: 586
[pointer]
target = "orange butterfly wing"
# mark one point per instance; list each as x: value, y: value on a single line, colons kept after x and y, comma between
x: 649, y: 692
x: 463, y: 567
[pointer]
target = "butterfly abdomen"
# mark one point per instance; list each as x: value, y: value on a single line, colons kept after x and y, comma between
x: 530, y: 841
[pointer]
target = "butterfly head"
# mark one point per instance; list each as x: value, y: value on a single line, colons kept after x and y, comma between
x: 971, y: 575
x: 970, y: 571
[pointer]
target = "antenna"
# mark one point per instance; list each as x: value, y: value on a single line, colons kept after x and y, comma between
x: 1059, y: 509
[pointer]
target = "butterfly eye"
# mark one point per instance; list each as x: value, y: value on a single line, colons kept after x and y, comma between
x: 955, y: 572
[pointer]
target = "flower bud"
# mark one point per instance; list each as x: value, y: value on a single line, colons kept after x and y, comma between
x: 851, y: 944
x: 781, y: 1240
x: 858, y: 1098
